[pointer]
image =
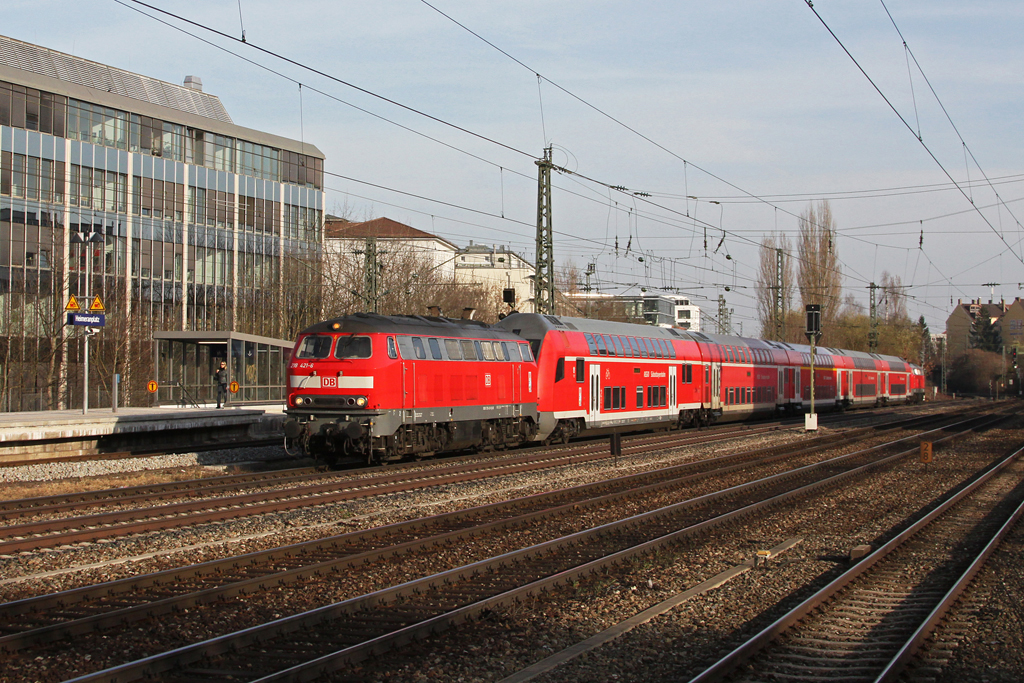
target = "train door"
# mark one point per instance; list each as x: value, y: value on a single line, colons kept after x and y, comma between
x: 716, y: 386
x: 673, y: 404
x: 595, y: 393
x: 517, y: 389
x: 798, y: 394
x: 408, y: 384
x: 849, y: 385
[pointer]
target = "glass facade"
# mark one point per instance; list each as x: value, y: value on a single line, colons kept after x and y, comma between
x: 190, y: 230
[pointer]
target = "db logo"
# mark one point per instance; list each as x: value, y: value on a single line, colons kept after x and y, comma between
x: 330, y: 382
x: 487, y: 380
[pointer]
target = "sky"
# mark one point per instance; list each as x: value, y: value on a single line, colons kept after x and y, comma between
x: 715, y: 120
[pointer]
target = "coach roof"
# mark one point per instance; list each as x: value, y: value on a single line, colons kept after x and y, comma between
x: 425, y: 326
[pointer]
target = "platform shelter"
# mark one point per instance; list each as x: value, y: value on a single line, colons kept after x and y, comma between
x: 184, y: 363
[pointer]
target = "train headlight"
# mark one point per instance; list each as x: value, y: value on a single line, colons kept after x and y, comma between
x: 361, y: 401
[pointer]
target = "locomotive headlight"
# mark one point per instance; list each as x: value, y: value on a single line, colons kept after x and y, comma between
x: 361, y: 401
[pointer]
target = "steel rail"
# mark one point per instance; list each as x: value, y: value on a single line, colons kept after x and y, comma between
x: 544, y: 505
x: 758, y: 642
x: 39, y: 534
x: 913, y: 644
x: 485, y: 571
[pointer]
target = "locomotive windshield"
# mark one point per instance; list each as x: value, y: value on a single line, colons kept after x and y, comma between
x: 352, y: 347
x: 315, y: 346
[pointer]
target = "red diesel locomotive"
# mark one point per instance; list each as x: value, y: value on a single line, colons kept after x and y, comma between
x: 383, y: 388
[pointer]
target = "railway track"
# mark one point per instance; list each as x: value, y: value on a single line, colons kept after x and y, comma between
x: 310, y: 489
x: 868, y: 623
x: 337, y: 634
x: 70, y: 613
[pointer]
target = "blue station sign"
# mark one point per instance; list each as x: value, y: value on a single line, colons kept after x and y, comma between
x: 87, y: 319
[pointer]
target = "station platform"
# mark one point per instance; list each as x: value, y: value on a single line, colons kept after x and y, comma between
x: 68, y: 434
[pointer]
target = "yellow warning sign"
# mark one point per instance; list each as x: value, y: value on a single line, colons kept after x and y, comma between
x: 96, y: 306
x: 73, y: 306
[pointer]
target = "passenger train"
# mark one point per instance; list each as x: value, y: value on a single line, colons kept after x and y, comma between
x: 383, y: 388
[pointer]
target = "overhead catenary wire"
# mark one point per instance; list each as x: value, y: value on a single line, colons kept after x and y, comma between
x: 927, y: 149
x: 330, y: 77
x: 637, y: 212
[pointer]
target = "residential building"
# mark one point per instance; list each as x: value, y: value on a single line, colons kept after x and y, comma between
x: 145, y: 194
x: 346, y: 241
x: 965, y: 316
x: 499, y: 268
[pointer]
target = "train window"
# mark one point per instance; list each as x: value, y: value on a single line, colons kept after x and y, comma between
x: 560, y: 370
x: 658, y: 348
x: 417, y: 347
x: 609, y: 344
x: 525, y: 349
x: 639, y: 397
x: 646, y: 344
x: 671, y: 348
x: 626, y: 351
x: 512, y: 352
x: 633, y: 345
x: 392, y: 349
x: 650, y: 397
x: 579, y: 370
x: 664, y: 396
x: 468, y: 349
x: 591, y: 343
x: 453, y: 349
x: 353, y: 347
x: 315, y: 346
x: 602, y: 349
x: 615, y: 398
x: 607, y: 398
x: 499, y: 352
x: 619, y: 351
x: 728, y: 396
x: 689, y: 373
x: 435, y: 348
x: 486, y: 350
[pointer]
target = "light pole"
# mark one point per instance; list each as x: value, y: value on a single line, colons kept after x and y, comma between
x: 87, y: 242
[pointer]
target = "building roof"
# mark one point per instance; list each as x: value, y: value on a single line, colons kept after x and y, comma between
x: 381, y: 228
x: 41, y: 68
x: 64, y: 67
x: 975, y: 308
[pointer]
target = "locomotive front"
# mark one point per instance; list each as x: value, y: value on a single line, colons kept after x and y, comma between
x: 337, y: 380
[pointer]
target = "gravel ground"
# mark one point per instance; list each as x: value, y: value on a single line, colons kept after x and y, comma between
x: 679, y: 644
x: 981, y: 640
x: 521, y: 635
x: 95, y: 468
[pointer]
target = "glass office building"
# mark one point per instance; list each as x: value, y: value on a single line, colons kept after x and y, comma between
x: 146, y: 194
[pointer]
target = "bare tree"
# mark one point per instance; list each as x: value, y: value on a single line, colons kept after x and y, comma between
x: 893, y: 298
x: 408, y: 282
x: 820, y: 278
x: 767, y: 286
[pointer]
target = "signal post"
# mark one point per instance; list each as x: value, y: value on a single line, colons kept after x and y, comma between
x: 813, y: 333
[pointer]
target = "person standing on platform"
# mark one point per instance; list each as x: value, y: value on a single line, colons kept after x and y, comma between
x: 221, y: 378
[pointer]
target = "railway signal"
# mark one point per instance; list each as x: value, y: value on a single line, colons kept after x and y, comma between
x: 813, y: 333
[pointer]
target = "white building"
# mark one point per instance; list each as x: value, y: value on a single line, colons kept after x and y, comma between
x: 347, y: 240
x: 499, y: 267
